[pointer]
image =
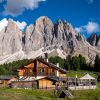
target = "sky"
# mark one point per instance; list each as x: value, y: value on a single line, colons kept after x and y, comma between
x: 84, y: 15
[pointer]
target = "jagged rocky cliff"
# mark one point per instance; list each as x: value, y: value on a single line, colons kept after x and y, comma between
x: 94, y: 40
x: 43, y: 37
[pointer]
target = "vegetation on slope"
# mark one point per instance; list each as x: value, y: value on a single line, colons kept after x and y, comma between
x: 11, y: 68
x: 77, y: 63
x: 74, y: 63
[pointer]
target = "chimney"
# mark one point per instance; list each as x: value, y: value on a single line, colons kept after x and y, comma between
x: 57, y: 64
x: 47, y: 60
x: 58, y: 70
x: 46, y: 57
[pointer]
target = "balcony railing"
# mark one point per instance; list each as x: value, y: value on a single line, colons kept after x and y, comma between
x: 40, y: 74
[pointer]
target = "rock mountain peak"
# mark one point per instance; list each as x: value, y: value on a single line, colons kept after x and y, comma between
x: 43, y: 37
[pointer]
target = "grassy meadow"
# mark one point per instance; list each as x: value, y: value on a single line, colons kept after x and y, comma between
x: 28, y: 94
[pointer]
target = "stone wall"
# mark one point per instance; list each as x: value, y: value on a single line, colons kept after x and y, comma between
x: 24, y: 84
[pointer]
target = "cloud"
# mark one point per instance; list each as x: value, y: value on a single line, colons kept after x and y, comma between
x: 90, y: 1
x: 4, y: 23
x: 89, y: 28
x: 78, y: 29
x: 21, y: 25
x: 92, y: 27
x: 17, y: 7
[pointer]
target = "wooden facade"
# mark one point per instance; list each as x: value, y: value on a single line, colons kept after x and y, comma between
x: 43, y: 83
x: 40, y: 68
x: 46, y: 83
x: 39, y: 74
x: 5, y: 80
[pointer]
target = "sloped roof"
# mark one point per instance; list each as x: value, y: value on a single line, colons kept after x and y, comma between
x: 87, y: 76
x: 50, y: 78
x: 32, y: 80
x: 5, y: 77
x: 53, y: 65
x: 47, y: 63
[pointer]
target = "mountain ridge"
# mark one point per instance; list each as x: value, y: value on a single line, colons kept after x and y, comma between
x: 94, y: 40
x: 43, y: 37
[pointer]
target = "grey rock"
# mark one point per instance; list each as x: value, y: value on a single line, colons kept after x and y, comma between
x: 44, y: 36
x: 94, y: 40
x: 39, y: 35
x: 10, y: 39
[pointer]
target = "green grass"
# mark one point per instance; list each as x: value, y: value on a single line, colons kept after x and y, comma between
x: 87, y: 95
x: 29, y: 94
x: 22, y: 94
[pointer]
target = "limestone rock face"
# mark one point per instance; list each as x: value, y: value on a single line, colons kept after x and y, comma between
x: 98, y: 43
x: 39, y: 35
x: 45, y: 37
x: 10, y: 39
x: 94, y: 40
x: 61, y: 35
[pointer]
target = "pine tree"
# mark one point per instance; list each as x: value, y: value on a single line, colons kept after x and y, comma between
x: 67, y: 63
x: 75, y: 63
x: 97, y: 63
x: 83, y: 65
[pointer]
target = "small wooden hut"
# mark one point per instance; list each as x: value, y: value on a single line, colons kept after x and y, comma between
x: 5, y: 80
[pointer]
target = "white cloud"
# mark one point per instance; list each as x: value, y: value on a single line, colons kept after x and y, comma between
x: 90, y: 1
x: 4, y: 22
x: 92, y: 27
x: 89, y: 28
x: 17, y: 7
x: 21, y: 25
x: 78, y: 29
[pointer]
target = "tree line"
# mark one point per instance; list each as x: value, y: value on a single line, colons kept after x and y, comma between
x: 11, y: 68
x: 70, y: 63
x: 77, y: 63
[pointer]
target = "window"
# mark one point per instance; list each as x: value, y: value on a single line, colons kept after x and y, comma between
x: 53, y: 70
x: 42, y: 70
x: 30, y: 70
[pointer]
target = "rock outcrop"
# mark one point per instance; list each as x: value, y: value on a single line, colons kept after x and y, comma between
x: 10, y: 39
x: 44, y: 37
x: 94, y: 40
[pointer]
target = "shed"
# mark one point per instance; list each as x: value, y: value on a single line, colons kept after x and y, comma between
x: 5, y: 80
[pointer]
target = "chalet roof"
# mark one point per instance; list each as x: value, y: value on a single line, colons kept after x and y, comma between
x: 31, y: 80
x: 87, y: 76
x: 50, y: 78
x: 5, y: 77
x: 53, y: 65
x: 47, y: 63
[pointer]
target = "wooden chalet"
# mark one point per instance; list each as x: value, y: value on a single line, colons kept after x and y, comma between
x: 40, y: 74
